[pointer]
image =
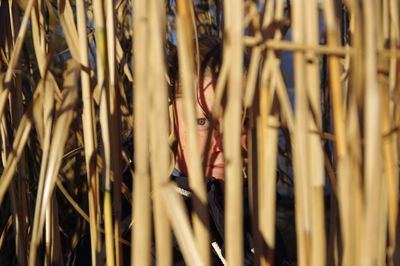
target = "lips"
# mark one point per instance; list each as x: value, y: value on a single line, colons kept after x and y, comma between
x: 218, y: 166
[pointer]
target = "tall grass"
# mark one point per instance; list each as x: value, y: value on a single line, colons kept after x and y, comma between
x: 81, y: 80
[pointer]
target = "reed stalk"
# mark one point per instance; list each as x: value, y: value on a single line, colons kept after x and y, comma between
x: 21, y: 219
x: 181, y: 225
x: 333, y: 38
x: 267, y: 175
x: 14, y: 59
x: 233, y: 26
x: 141, y: 233
x: 18, y: 145
x: 390, y: 151
x: 268, y: 124
x: 336, y: 88
x: 300, y: 144
x: 104, y: 92
x: 115, y: 128
x: 67, y: 22
x: 17, y: 213
x: 89, y: 132
x: 159, y: 132
x: 373, y: 141
x: 316, y: 166
x: 190, y: 87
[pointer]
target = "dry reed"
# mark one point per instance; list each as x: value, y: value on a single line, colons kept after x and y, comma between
x: 81, y: 79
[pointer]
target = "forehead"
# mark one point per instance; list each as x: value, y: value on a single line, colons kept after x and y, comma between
x: 204, y: 85
x: 206, y: 93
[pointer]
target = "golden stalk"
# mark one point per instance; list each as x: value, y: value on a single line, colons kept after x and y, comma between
x: 268, y: 135
x: 179, y: 218
x: 316, y: 164
x: 17, y: 213
x: 14, y: 59
x: 48, y: 112
x: 390, y: 150
x: 336, y: 89
x: 264, y: 111
x: 283, y: 45
x: 89, y: 132
x: 21, y: 219
x: 373, y: 140
x: 300, y: 144
x: 66, y: 20
x: 252, y: 77
x: 233, y: 48
x: 141, y: 233
x: 190, y: 89
x: 115, y: 128
x: 336, y: 86
x: 159, y: 132
x: 104, y: 92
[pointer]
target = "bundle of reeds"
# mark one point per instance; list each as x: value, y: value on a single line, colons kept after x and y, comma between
x: 80, y: 81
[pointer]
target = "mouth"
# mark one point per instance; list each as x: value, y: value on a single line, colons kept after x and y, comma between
x: 217, y: 166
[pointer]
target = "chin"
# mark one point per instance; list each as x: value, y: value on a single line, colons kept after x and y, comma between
x: 217, y: 173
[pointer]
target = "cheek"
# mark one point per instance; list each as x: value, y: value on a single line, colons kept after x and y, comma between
x: 180, y: 135
x: 202, y: 142
x: 182, y: 143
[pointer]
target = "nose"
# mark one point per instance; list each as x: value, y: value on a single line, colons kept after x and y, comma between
x: 218, y: 140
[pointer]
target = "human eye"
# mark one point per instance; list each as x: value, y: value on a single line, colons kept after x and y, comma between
x: 202, y: 122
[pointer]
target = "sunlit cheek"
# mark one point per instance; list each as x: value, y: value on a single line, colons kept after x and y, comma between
x: 202, y: 142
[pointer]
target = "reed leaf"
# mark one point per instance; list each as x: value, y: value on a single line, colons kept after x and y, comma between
x: 181, y: 225
x: 56, y: 148
x: 19, y: 143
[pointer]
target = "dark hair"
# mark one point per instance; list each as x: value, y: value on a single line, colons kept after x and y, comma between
x: 210, y: 56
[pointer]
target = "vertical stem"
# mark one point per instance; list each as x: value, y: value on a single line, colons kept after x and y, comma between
x: 141, y: 233
x: 6, y: 80
x: 115, y: 128
x: 390, y: 146
x: 21, y: 214
x: 316, y: 164
x: 180, y: 222
x: 373, y: 142
x: 159, y: 130
x: 268, y: 150
x: 233, y: 31
x: 333, y: 38
x: 16, y: 212
x: 196, y: 175
x: 89, y: 132
x: 301, y: 143
x: 101, y: 58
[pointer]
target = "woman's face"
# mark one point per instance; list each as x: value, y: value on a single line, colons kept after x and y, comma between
x: 215, y: 163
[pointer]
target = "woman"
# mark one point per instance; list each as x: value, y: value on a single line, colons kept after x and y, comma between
x: 209, y: 137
